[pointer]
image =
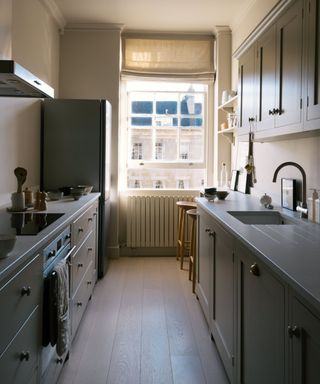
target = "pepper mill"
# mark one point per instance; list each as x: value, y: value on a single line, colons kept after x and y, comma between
x: 37, y: 200
x: 42, y: 202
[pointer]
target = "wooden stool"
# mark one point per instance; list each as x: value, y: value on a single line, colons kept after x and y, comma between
x: 183, y: 206
x: 192, y: 213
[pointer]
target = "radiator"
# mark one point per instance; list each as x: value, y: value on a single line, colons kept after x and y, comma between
x: 152, y: 220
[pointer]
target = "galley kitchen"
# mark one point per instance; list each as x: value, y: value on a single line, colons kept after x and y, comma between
x: 159, y: 191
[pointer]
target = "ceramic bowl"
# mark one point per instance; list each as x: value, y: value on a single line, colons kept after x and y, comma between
x: 54, y: 195
x: 221, y: 195
x: 77, y: 192
x: 87, y: 188
x: 6, y: 244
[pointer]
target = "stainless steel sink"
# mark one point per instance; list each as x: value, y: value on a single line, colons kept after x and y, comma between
x: 261, y: 217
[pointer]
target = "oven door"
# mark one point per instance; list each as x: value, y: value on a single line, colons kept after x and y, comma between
x: 51, y: 362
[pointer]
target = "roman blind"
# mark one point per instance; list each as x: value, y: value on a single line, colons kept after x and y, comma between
x: 188, y: 57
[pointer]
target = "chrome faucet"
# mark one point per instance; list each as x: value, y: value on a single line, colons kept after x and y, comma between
x: 302, y: 209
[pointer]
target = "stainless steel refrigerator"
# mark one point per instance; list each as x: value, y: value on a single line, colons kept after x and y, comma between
x: 75, y: 150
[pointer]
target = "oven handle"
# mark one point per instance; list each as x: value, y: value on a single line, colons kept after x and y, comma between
x: 69, y: 253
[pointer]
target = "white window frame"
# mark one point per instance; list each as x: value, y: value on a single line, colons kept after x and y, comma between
x: 128, y: 163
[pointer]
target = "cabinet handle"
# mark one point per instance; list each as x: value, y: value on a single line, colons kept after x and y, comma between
x: 251, y: 119
x: 26, y: 291
x: 211, y: 234
x: 89, y: 282
x: 80, y: 229
x: 51, y: 253
x: 276, y: 111
x: 293, y: 331
x: 24, y: 355
x: 80, y: 265
x: 67, y: 237
x: 271, y: 112
x: 79, y: 304
x: 254, y: 269
x: 59, y: 360
x: 90, y: 219
x: 90, y: 249
x: 207, y: 230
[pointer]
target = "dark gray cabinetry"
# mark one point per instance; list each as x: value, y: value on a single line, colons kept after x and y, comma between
x: 20, y: 323
x: 279, y: 75
x: 205, y: 262
x: 246, y: 92
x: 83, y: 264
x: 223, y: 293
x: 304, y: 336
x: 312, y: 64
x: 261, y: 323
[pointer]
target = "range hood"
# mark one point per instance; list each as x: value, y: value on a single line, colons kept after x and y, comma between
x: 17, y: 81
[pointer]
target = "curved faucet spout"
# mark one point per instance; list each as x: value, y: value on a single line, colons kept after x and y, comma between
x: 304, y: 179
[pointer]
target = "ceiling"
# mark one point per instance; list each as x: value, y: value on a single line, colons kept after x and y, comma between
x: 156, y: 15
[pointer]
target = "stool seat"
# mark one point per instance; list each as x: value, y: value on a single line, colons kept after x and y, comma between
x: 193, y: 214
x: 183, y: 206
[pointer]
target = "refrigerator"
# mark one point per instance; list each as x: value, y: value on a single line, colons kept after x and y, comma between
x: 75, y: 150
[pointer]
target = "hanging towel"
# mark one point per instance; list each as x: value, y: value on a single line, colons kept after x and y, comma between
x: 62, y: 300
x: 49, y: 329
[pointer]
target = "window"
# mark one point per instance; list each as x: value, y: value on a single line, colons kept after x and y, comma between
x: 166, y: 128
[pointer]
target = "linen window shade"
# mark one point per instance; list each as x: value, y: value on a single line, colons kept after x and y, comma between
x: 168, y: 57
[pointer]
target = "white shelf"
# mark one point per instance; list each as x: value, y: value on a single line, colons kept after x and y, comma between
x: 228, y: 133
x: 230, y: 105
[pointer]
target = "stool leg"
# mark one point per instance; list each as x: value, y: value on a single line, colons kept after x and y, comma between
x: 194, y: 264
x: 182, y: 248
x: 191, y: 254
x: 179, y: 233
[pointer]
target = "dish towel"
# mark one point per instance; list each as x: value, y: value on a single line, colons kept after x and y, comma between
x: 62, y: 297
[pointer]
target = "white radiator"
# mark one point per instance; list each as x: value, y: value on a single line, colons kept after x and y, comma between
x: 152, y: 220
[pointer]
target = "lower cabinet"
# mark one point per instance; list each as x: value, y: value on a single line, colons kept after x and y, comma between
x: 205, y: 262
x: 264, y: 332
x: 223, y: 294
x: 304, y: 341
x: 261, y: 323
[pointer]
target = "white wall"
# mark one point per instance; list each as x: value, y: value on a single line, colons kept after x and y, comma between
x: 33, y: 38
x: 268, y: 156
x: 90, y: 69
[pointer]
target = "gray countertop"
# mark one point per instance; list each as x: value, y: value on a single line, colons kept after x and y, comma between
x: 26, y: 246
x: 292, y: 251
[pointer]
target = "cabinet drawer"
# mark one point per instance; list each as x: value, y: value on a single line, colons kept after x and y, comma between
x: 18, y: 298
x: 80, y: 261
x: 54, y: 368
x: 81, y: 298
x: 82, y: 225
x: 20, y: 360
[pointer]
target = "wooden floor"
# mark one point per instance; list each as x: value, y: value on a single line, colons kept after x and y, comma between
x: 143, y: 325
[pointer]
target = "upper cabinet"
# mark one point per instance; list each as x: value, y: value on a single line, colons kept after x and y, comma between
x: 285, y: 85
x: 312, y: 101
x: 246, y: 91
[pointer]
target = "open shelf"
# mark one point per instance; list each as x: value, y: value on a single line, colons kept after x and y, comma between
x: 228, y: 133
x: 229, y: 106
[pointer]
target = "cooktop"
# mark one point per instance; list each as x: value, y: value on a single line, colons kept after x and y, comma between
x: 26, y: 223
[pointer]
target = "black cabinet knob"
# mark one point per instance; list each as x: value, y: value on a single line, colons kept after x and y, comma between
x: 293, y: 331
x: 254, y: 269
x: 24, y: 355
x: 26, y: 291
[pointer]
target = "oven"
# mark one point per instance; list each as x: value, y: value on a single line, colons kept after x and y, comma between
x: 56, y: 257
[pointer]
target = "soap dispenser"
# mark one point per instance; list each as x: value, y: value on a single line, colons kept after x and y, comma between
x: 314, y: 200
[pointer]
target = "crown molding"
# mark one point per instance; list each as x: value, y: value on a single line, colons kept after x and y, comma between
x: 94, y: 27
x: 55, y: 12
x: 218, y: 29
x: 269, y: 19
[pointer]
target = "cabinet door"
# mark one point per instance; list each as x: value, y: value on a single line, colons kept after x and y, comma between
x: 305, y: 345
x: 261, y: 310
x: 313, y: 64
x: 222, y: 325
x: 246, y: 91
x: 266, y: 79
x: 205, y: 262
x: 289, y: 65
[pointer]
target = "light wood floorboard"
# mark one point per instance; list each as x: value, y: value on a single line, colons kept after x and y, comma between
x: 143, y: 325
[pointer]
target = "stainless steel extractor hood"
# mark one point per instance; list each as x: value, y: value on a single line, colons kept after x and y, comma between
x: 17, y: 81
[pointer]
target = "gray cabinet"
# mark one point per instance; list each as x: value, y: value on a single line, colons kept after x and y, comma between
x: 83, y: 270
x: 205, y: 262
x: 304, y: 336
x: 312, y: 64
x: 246, y: 92
x: 261, y: 323
x: 223, y: 294
x: 20, y: 322
x: 279, y: 77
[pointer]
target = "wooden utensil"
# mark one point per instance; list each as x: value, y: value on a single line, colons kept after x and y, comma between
x: 21, y: 175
